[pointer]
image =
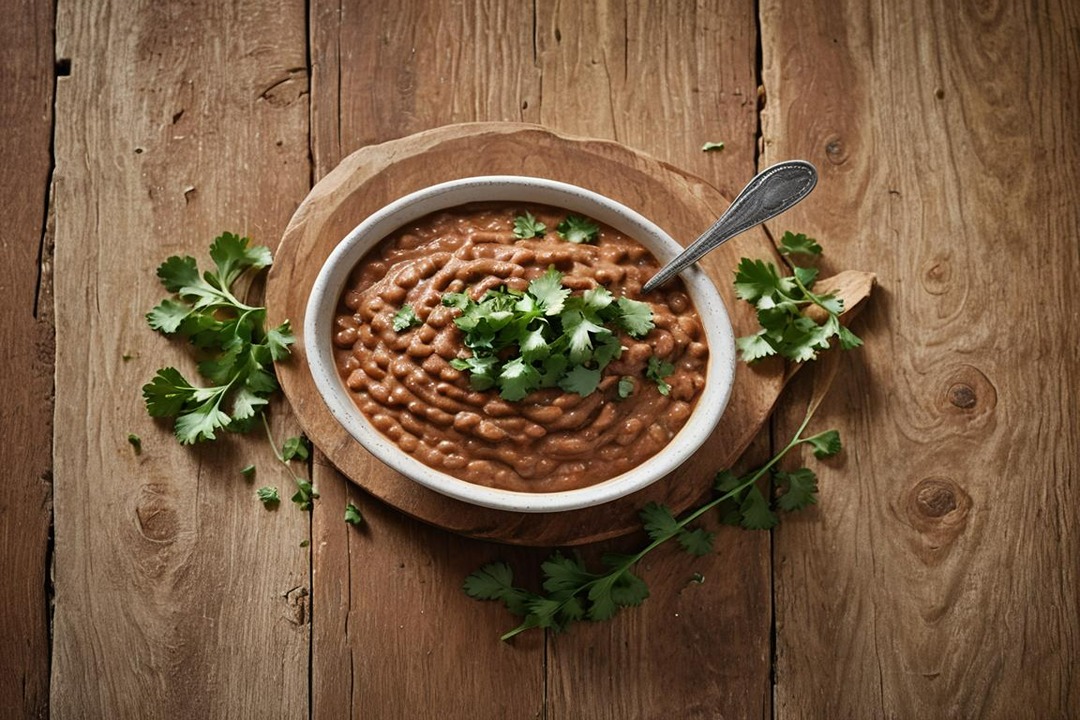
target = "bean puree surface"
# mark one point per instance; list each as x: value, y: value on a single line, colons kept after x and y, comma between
x: 551, y: 440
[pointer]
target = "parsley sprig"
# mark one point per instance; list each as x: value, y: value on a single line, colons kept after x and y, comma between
x: 520, y: 341
x: 781, y: 301
x: 572, y: 592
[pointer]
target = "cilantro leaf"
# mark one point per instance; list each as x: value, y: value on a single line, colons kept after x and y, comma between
x: 712, y: 146
x: 580, y: 380
x: 268, y: 496
x: 517, y: 379
x: 635, y: 317
x: 248, y: 471
x: 657, y: 370
x: 168, y: 393
x: 353, y: 516
x: 756, y: 514
x: 577, y: 229
x: 526, y: 226
x: 232, y: 255
x: 658, y: 521
x: 549, y: 292
x: 405, y: 318
x: 799, y: 489
x: 168, y: 315
x: 296, y: 447
x: 697, y: 542
x: 792, y: 244
x: 626, y: 387
x: 201, y: 422
x: 825, y: 444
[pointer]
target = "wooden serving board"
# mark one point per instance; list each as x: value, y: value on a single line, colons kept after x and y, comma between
x: 682, y: 205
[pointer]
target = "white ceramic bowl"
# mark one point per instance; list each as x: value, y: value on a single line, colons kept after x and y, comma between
x: 322, y: 303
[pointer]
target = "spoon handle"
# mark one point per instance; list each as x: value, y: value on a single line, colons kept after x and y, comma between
x: 771, y: 192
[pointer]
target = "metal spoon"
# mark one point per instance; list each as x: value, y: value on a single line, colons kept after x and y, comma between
x: 771, y: 192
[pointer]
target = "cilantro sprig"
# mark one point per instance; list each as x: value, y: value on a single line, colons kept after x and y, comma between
x: 572, y: 592
x: 577, y: 229
x: 237, y: 355
x: 238, y: 352
x: 521, y: 341
x: 781, y: 301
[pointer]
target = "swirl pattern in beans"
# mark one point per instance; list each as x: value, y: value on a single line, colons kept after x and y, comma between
x: 551, y: 440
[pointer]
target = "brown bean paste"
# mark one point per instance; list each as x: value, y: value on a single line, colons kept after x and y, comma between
x: 551, y: 440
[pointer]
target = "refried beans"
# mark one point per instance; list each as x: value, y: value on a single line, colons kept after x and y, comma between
x: 551, y: 440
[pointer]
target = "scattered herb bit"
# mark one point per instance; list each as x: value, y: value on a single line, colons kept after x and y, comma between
x: 353, y: 516
x: 268, y: 496
x: 572, y: 592
x: 626, y: 387
x: 543, y: 337
x: 248, y: 471
x: 712, y: 146
x: 405, y: 318
x: 127, y: 356
x: 297, y: 447
x: 657, y: 370
x: 697, y: 578
x: 577, y: 229
x: 785, y: 330
x: 526, y: 226
x: 305, y: 543
x: 239, y: 352
x: 136, y: 443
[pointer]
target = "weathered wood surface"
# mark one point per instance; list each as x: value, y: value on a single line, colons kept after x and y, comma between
x: 177, y: 595
x: 940, y: 575
x: 26, y: 356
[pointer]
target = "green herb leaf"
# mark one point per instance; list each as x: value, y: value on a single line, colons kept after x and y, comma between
x: 635, y: 317
x: 297, y: 447
x: 799, y: 489
x: 626, y: 387
x: 248, y: 471
x: 712, y: 146
x: 268, y: 496
x: 792, y: 244
x: 353, y: 515
x: 657, y: 370
x: 825, y: 444
x: 697, y: 542
x: 577, y: 229
x: 136, y: 443
x: 526, y: 226
x: 405, y: 318
x: 658, y: 521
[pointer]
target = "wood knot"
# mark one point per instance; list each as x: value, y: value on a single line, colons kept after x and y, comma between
x: 937, y: 509
x: 937, y: 276
x: 962, y: 396
x: 934, y: 498
x: 157, y: 518
x: 835, y: 151
x: 967, y: 397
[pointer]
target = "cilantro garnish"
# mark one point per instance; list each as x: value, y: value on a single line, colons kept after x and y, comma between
x: 526, y: 226
x: 268, y: 496
x: 136, y: 443
x: 572, y: 592
x: 577, y: 229
x: 353, y: 516
x: 657, y: 370
x: 238, y: 354
x: 543, y: 337
x: 780, y: 302
x: 405, y: 318
x: 712, y: 146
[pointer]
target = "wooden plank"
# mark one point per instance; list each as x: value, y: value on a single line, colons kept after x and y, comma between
x: 388, y: 601
x: 177, y: 594
x: 938, y: 577
x: 26, y: 66
x: 663, y: 80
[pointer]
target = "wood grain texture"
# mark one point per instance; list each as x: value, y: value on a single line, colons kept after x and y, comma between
x: 177, y: 594
x: 939, y: 576
x: 26, y: 354
x: 665, y: 80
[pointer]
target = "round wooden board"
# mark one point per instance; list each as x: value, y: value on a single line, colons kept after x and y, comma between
x: 370, y: 178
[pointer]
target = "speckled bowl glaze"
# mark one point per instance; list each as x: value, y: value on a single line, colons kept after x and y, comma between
x: 322, y: 302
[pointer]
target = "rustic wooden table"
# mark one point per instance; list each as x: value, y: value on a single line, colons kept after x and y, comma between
x: 938, y: 577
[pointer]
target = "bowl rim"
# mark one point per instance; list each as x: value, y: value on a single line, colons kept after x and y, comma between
x: 335, y: 270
